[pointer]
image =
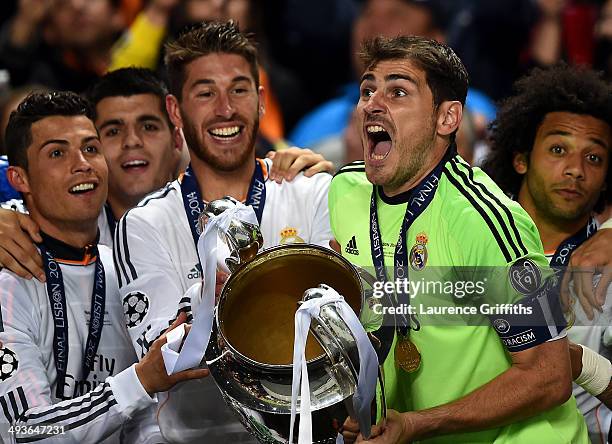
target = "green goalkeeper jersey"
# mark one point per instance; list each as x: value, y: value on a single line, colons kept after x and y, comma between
x: 464, y: 221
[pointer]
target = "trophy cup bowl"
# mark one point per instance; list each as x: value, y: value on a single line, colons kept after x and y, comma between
x: 253, y: 335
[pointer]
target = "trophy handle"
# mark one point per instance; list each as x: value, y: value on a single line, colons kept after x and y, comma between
x: 243, y: 239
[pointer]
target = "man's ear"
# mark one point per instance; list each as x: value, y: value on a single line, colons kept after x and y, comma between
x: 174, y: 111
x: 262, y: 101
x: 449, y: 117
x: 18, y: 178
x: 520, y: 163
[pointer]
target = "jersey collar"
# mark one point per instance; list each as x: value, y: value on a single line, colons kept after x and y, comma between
x: 64, y: 253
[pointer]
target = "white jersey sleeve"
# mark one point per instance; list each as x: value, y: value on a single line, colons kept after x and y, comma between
x: 149, y: 281
x: 26, y: 397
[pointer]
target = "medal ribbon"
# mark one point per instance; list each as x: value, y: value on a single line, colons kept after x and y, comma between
x: 565, y: 249
x: 368, y: 365
x: 192, y: 199
x: 57, y: 301
x: 420, y: 198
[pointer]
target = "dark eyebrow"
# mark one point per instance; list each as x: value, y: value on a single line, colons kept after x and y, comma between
x: 392, y: 77
x: 593, y: 140
x: 241, y: 79
x: 65, y: 142
x: 89, y: 139
x: 54, y: 141
x: 366, y: 76
x: 111, y: 122
x: 146, y: 117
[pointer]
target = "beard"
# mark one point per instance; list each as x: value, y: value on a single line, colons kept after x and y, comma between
x: 414, y: 159
x: 203, y: 152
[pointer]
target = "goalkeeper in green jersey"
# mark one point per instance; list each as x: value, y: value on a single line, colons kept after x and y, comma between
x: 414, y: 205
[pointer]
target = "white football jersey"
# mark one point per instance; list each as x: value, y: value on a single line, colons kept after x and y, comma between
x: 98, y: 408
x: 155, y: 256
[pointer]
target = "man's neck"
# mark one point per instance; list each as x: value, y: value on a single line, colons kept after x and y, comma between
x: 430, y: 165
x: 77, y: 235
x: 215, y: 184
x: 552, y: 231
x: 120, y: 206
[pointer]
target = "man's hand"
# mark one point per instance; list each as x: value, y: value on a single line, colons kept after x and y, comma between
x: 593, y: 256
x: 219, y: 283
x: 18, y: 232
x: 151, y: 371
x: 393, y: 430
x: 289, y: 162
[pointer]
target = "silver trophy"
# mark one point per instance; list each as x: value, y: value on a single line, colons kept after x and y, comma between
x: 251, y: 346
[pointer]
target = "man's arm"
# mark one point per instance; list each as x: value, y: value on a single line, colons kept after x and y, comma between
x: 601, y: 367
x: 593, y: 256
x: 539, y: 379
x: 147, y: 276
x: 25, y: 389
x: 18, y: 232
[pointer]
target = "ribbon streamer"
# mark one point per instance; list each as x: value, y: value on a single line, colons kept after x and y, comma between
x: 196, y: 341
x: 368, y: 365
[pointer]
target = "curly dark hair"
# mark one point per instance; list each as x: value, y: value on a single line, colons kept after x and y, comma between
x: 36, y: 106
x: 561, y: 88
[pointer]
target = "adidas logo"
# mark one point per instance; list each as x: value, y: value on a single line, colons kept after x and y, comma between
x: 195, y: 272
x: 351, y: 247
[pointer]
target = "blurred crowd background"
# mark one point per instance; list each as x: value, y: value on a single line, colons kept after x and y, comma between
x: 308, y: 50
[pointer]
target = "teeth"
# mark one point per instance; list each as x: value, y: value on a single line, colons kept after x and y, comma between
x: 82, y: 187
x: 375, y: 129
x: 134, y: 163
x: 225, y: 132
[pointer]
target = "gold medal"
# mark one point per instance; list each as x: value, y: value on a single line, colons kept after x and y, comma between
x: 407, y: 355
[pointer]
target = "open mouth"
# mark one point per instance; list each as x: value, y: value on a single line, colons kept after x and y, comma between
x: 137, y: 163
x: 83, y: 188
x: 225, y: 133
x: 379, y: 142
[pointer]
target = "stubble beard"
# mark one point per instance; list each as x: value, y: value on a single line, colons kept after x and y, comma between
x: 205, y: 154
x: 415, y: 161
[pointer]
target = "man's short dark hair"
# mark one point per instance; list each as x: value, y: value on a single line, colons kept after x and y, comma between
x: 126, y: 82
x: 445, y: 73
x: 560, y: 88
x: 204, y: 39
x: 35, y: 107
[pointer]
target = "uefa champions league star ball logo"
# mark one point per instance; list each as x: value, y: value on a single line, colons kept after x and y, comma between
x: 8, y: 363
x: 135, y: 307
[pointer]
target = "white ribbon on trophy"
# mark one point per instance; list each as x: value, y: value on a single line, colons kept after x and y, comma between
x: 368, y: 365
x: 196, y: 342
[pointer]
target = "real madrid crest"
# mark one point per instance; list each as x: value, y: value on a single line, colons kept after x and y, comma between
x: 418, y: 252
x: 289, y: 236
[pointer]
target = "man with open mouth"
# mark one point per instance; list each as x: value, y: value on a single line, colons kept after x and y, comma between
x: 414, y: 205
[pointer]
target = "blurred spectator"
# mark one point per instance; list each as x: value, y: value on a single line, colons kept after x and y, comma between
x: 63, y: 44
x: 312, y: 40
x: 8, y: 103
x: 323, y: 129
x: 500, y: 41
x: 603, y: 36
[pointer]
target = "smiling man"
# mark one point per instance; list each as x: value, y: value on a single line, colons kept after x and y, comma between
x: 141, y: 146
x: 65, y: 346
x: 216, y: 99
x: 422, y: 207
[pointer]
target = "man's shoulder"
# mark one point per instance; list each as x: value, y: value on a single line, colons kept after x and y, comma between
x: 476, y: 209
x: 351, y: 175
x: 157, y: 205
